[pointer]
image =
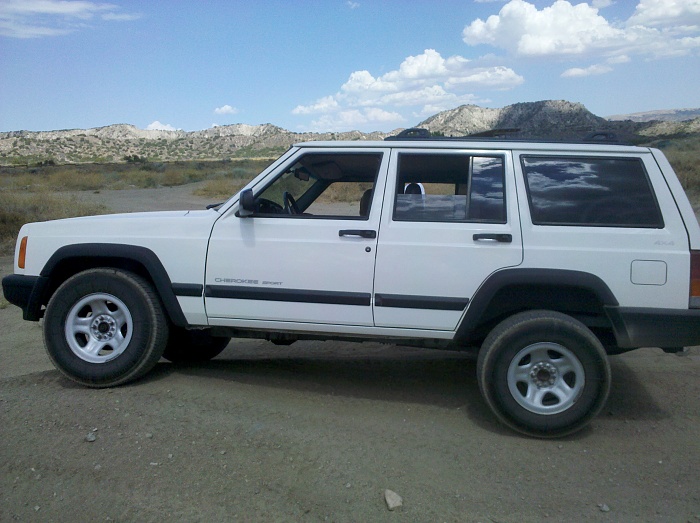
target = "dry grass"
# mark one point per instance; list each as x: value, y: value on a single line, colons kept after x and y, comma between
x: 18, y: 208
x: 29, y: 194
x: 344, y: 192
x: 91, y: 177
x: 684, y: 155
x: 221, y: 189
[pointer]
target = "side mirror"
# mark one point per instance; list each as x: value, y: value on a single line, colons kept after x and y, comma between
x: 246, y: 203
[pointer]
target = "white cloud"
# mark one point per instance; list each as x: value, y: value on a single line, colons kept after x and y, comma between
x: 71, y: 8
x: 655, y: 13
x: 657, y: 29
x: 421, y: 81
x: 577, y: 72
x: 352, y: 5
x: 226, y: 109
x: 560, y: 29
x: 619, y: 59
x: 121, y: 17
x: 323, y: 105
x: 427, y: 78
x: 157, y: 126
x: 356, y: 118
x: 39, y: 18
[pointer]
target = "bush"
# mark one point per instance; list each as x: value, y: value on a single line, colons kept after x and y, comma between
x: 75, y: 181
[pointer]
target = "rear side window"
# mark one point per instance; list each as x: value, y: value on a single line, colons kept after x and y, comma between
x: 603, y: 192
x: 450, y: 188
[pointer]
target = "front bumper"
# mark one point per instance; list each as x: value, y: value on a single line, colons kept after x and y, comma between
x: 26, y: 292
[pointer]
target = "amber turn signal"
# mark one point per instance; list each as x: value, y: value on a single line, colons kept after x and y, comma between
x: 21, y: 259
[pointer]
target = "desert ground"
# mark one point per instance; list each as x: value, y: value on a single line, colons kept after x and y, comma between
x: 318, y: 431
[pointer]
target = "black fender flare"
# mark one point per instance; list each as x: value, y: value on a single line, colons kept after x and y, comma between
x: 131, y: 254
x: 542, y: 277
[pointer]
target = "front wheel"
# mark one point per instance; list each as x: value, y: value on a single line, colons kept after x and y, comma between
x: 105, y: 327
x: 543, y: 373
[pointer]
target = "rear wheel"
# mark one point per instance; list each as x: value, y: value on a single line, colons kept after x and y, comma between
x: 191, y: 346
x: 543, y: 373
x: 105, y: 327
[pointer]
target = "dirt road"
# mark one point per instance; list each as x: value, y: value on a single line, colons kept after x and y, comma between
x: 318, y: 431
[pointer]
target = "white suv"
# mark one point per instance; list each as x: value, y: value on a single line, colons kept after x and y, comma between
x: 544, y: 257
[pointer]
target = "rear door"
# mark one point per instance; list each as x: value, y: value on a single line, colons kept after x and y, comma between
x: 449, y: 220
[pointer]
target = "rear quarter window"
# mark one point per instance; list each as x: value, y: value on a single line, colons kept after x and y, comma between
x: 590, y: 191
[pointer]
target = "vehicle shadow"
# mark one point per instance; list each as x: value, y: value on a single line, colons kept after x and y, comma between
x: 391, y: 373
x: 629, y: 398
x: 367, y: 371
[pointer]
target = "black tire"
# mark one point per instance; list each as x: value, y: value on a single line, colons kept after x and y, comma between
x: 543, y: 373
x: 192, y: 346
x: 105, y: 327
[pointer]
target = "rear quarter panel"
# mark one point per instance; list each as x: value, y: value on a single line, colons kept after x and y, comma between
x: 617, y: 255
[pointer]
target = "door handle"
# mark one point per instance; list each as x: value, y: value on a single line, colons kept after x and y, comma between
x: 362, y: 233
x: 500, y: 238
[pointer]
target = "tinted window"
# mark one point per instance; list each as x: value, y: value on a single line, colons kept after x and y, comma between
x: 609, y: 192
x: 450, y: 188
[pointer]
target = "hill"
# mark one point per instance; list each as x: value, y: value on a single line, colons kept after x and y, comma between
x: 548, y: 119
x: 545, y: 119
x: 554, y: 120
x: 671, y: 115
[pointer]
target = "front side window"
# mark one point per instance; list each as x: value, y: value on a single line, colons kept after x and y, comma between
x: 603, y: 192
x: 329, y: 185
x: 450, y: 188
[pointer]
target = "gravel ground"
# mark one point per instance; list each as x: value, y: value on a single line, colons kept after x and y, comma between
x: 318, y: 431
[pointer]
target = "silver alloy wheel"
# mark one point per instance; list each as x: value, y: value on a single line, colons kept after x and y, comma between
x: 546, y: 378
x: 98, y: 328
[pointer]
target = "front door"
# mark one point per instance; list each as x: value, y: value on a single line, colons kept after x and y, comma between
x: 306, y: 254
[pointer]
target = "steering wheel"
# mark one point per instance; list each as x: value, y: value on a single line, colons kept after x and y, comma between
x: 265, y: 206
x: 290, y: 204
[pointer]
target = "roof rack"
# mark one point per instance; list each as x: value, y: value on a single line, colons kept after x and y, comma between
x: 495, y: 133
x: 602, y: 137
x: 414, y: 133
x: 417, y: 133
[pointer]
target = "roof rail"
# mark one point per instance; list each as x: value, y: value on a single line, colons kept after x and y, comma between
x: 414, y: 133
x: 602, y: 137
x: 417, y: 133
x: 494, y: 133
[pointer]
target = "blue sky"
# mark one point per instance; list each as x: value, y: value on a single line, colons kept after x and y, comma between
x: 336, y: 65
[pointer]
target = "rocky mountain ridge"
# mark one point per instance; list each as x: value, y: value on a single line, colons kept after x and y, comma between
x: 535, y: 119
x: 663, y: 115
x: 548, y: 119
